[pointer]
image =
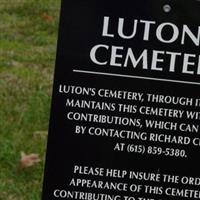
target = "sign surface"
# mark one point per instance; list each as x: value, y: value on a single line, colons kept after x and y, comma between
x: 125, y: 110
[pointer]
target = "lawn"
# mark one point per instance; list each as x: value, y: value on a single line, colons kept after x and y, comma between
x: 28, y: 35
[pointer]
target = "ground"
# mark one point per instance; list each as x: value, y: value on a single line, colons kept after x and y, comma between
x: 28, y: 36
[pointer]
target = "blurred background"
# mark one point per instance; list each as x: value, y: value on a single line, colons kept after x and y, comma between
x: 28, y: 36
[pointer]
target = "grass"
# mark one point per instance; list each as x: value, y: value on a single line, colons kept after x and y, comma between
x: 28, y: 34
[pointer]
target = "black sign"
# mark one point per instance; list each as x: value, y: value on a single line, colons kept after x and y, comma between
x: 125, y: 110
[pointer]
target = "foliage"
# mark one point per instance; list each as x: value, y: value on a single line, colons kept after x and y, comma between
x: 28, y: 33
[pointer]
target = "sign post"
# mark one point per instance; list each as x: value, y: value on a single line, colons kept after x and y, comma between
x: 125, y: 109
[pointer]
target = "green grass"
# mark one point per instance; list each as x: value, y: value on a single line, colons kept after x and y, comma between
x: 28, y: 34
